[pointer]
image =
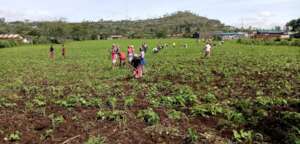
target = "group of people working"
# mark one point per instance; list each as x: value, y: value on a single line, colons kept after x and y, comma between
x: 137, y: 61
x: 52, y: 52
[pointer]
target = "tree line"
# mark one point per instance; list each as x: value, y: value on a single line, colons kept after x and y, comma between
x: 181, y: 24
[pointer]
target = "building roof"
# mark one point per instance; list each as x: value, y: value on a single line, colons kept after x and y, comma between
x: 269, y: 32
x: 10, y: 36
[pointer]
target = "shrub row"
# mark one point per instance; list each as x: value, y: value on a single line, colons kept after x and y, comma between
x: 288, y: 42
x: 8, y: 43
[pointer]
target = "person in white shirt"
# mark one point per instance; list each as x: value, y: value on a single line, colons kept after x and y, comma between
x: 207, y: 50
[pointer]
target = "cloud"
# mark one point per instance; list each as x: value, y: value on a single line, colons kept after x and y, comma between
x: 34, y: 15
x: 265, y: 14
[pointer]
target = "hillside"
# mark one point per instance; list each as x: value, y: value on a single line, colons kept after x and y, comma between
x: 177, y: 23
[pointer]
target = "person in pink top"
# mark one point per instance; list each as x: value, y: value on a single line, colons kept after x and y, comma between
x: 130, y: 52
x: 114, y: 55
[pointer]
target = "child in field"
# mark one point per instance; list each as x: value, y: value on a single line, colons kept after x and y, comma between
x: 122, y: 56
x: 114, y: 54
x: 144, y: 47
x: 63, y: 51
x: 136, y: 63
x: 143, y: 61
x: 51, y: 52
x: 207, y: 50
x: 130, y: 52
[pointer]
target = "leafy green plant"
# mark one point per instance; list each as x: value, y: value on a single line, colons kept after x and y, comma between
x: 112, y: 102
x: 234, y: 116
x: 47, y: 134
x: 40, y: 101
x: 206, y: 109
x: 70, y: 101
x: 192, y: 135
x: 4, y: 102
x: 16, y: 136
x: 210, y: 98
x: 95, y: 140
x: 268, y: 101
x: 56, y: 120
x: 149, y: 116
x: 243, y: 136
x: 128, y: 101
x: 175, y: 115
x: 111, y: 115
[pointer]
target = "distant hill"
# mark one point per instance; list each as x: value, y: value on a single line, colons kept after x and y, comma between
x: 180, y: 24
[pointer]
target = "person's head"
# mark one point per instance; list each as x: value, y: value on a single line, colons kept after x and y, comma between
x: 114, y: 45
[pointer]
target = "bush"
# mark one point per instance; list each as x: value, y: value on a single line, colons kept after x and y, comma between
x: 288, y: 42
x: 8, y: 43
x: 40, y: 40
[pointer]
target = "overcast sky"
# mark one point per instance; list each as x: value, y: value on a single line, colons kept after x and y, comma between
x: 257, y: 13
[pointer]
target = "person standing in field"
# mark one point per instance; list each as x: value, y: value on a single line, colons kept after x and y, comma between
x: 143, y: 61
x: 207, y: 50
x: 122, y: 56
x: 145, y: 47
x: 130, y: 52
x: 63, y: 51
x: 51, y: 52
x: 114, y: 54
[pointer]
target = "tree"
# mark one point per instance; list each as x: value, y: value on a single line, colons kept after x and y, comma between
x: 295, y: 25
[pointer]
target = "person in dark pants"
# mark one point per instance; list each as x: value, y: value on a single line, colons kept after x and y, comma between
x: 51, y: 52
x: 63, y: 51
x: 136, y: 64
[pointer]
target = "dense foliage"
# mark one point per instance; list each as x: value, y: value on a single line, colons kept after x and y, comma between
x: 241, y: 94
x: 283, y: 42
x: 8, y: 43
x: 295, y: 25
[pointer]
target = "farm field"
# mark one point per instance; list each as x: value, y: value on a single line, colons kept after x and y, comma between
x: 241, y: 94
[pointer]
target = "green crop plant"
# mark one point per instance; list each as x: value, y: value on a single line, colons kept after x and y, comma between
x: 206, y: 110
x: 243, y: 136
x: 13, y: 137
x: 4, y: 102
x: 114, y: 115
x: 175, y: 115
x: 40, y: 101
x: 149, y: 116
x: 95, y: 140
x: 56, y: 120
x: 234, y: 116
x: 210, y: 98
x: 112, y: 102
x: 192, y: 135
x: 129, y: 101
